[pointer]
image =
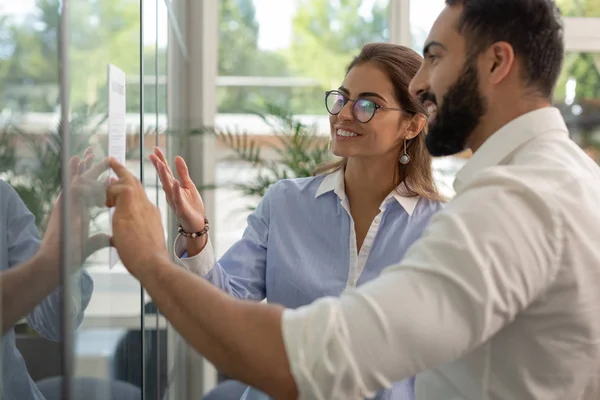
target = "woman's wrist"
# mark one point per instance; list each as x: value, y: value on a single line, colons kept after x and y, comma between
x: 194, y: 246
x: 195, y: 240
x: 193, y: 230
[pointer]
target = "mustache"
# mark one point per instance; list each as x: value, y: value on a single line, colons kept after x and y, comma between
x: 425, y: 96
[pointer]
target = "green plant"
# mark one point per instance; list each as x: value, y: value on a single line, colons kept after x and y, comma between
x: 37, y: 178
x: 299, y: 149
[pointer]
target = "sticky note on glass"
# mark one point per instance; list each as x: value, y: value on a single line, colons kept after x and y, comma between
x: 116, y: 130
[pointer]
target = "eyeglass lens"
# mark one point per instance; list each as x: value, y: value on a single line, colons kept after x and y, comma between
x: 363, y: 109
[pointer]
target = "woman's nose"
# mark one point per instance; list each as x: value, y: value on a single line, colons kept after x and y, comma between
x: 347, y: 113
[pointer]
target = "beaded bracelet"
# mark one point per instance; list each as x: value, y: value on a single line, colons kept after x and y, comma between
x: 193, y: 235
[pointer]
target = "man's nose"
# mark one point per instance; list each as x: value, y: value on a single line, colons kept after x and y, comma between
x: 419, y: 83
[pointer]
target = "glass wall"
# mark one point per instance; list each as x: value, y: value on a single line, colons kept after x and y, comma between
x: 117, y: 342
x: 30, y: 170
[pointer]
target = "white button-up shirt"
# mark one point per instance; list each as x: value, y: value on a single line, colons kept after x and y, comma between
x: 500, y: 298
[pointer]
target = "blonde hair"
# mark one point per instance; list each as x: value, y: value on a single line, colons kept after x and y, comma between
x: 400, y: 63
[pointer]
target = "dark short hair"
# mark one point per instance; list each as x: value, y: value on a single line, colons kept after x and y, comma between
x: 534, y: 29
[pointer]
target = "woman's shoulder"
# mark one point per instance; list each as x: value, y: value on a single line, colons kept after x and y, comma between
x: 426, y: 206
x: 295, y: 187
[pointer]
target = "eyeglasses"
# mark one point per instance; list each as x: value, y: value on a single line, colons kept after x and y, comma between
x: 363, y: 110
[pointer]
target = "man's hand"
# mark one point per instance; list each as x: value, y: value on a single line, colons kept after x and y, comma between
x: 209, y: 319
x: 85, y: 191
x: 137, y: 228
x: 23, y: 287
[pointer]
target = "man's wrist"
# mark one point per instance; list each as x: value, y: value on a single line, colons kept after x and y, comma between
x: 151, y: 267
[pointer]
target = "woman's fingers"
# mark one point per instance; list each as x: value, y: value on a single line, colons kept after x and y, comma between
x: 159, y: 156
x: 183, y: 172
x: 176, y: 190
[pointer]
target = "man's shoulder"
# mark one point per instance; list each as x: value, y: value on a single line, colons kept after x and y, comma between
x: 569, y: 192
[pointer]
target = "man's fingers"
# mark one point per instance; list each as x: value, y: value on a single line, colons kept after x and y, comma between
x: 73, y: 167
x: 121, y: 170
x: 96, y: 242
x: 92, y: 192
x: 88, y: 158
x: 82, y: 164
x: 80, y: 168
x: 114, y: 191
x: 93, y: 172
x: 183, y: 172
x: 124, y: 188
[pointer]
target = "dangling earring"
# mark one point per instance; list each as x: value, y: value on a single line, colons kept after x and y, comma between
x: 404, y: 157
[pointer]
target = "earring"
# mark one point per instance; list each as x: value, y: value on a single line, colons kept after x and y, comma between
x: 404, y: 157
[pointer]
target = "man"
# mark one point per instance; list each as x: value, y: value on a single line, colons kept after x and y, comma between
x: 31, y: 274
x: 498, y: 300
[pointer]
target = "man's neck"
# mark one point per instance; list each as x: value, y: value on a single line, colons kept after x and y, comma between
x: 500, y: 115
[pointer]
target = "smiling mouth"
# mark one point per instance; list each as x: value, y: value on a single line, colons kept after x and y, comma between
x: 342, y: 133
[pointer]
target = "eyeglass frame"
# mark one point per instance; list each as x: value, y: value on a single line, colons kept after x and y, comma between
x: 377, y: 106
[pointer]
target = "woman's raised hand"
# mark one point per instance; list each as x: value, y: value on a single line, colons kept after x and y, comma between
x: 182, y: 195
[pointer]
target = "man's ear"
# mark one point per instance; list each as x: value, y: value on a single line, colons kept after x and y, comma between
x: 498, y: 61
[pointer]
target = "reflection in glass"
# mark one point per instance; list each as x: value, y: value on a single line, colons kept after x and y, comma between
x: 155, y: 30
x: 105, y: 32
x: 30, y: 171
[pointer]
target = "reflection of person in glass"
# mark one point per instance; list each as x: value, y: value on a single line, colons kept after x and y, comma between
x: 500, y: 297
x: 315, y: 237
x: 31, y: 274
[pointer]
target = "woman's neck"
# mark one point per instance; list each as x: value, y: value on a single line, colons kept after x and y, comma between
x: 368, y: 181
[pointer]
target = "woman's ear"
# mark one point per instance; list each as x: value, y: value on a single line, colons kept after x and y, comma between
x: 415, y: 126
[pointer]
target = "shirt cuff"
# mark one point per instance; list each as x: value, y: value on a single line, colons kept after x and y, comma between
x: 200, y: 264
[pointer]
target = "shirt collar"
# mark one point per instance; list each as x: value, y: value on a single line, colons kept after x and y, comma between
x: 334, y: 182
x: 509, y: 138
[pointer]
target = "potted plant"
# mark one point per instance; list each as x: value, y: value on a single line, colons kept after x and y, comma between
x: 296, y: 151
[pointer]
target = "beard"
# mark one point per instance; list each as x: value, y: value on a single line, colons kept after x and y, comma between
x: 461, y: 111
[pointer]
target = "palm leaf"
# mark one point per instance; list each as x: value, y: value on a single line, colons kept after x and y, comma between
x: 299, y: 150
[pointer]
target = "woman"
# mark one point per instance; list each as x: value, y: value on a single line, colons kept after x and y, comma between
x: 315, y: 237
